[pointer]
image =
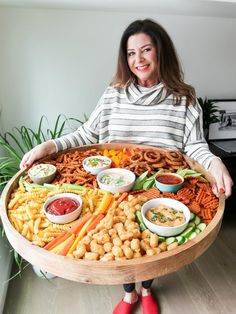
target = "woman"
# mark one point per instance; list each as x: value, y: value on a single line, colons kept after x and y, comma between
x: 146, y: 103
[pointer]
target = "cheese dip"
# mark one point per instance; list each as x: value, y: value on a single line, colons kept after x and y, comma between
x: 163, y: 215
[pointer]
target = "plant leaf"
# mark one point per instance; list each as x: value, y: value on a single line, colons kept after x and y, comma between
x: 20, y: 140
x: 18, y: 259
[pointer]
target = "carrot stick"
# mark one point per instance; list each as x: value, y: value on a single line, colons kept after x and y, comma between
x: 94, y: 222
x: 60, y: 246
x: 79, y: 224
x: 106, y: 200
x: 66, y: 234
x: 74, y: 245
x: 80, y: 235
x: 58, y: 240
x: 112, y: 204
x: 54, y: 240
x: 84, y: 228
x: 67, y: 247
x: 122, y: 197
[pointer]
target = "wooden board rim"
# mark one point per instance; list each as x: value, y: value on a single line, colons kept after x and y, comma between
x: 113, y: 272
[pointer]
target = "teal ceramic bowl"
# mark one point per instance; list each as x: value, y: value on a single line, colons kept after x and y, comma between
x: 169, y: 182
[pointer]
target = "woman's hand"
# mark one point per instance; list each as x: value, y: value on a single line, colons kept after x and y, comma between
x: 39, y: 151
x: 223, y: 179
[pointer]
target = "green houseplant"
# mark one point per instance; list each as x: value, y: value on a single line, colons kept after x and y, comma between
x: 17, y: 142
x: 21, y: 139
x: 209, y: 110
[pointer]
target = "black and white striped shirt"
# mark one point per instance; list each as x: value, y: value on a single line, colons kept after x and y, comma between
x: 143, y: 116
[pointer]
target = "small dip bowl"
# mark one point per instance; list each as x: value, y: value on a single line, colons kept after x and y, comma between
x: 63, y: 208
x: 42, y: 173
x: 95, y: 164
x: 169, y: 182
x: 178, y: 209
x: 116, y: 180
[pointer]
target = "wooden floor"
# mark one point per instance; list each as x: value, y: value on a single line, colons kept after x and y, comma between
x: 208, y: 286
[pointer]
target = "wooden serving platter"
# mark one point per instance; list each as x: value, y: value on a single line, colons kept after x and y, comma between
x: 112, y: 272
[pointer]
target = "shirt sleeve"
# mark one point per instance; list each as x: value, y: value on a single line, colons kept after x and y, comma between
x: 195, y: 145
x: 86, y: 134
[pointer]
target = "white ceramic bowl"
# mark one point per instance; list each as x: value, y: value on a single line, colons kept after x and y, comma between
x: 94, y: 164
x: 121, y: 180
x: 42, y: 173
x: 66, y: 218
x: 165, y: 231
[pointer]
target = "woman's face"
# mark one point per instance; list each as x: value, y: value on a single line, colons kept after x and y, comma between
x: 142, y: 59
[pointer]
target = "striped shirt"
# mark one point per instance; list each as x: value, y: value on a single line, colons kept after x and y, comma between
x: 143, y: 116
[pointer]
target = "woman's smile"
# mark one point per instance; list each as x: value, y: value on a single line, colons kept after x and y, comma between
x: 142, y: 67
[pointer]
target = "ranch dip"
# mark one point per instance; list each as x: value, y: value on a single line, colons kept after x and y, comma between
x: 96, y: 162
x: 115, y: 179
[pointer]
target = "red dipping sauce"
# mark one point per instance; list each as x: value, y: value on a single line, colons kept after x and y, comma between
x: 62, y: 206
x: 168, y: 179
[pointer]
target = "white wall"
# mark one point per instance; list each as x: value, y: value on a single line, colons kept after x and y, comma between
x: 60, y: 61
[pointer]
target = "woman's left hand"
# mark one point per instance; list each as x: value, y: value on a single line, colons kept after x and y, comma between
x: 223, y: 179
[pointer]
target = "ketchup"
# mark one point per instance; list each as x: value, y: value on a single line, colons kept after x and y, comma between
x: 62, y: 206
x: 168, y: 179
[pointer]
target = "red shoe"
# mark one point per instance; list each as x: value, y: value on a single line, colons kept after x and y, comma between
x: 124, y: 308
x: 149, y: 305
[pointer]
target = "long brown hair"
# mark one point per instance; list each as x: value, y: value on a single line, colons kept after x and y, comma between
x: 169, y: 68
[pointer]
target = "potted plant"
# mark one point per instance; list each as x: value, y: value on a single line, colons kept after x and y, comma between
x: 209, y: 113
x: 14, y: 145
x: 21, y: 139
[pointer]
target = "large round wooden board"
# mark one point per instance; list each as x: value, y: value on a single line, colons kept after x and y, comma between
x: 113, y: 272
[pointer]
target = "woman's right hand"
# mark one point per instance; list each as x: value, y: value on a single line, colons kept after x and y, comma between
x: 222, y: 177
x: 38, y: 152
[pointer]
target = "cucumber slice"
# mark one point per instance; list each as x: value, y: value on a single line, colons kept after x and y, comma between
x: 191, y: 224
x: 180, y: 239
x: 142, y: 226
x: 148, y: 184
x: 161, y: 239
x: 139, y: 220
x: 185, y: 240
x: 201, y: 226
x: 197, y: 231
x: 192, y: 216
x: 138, y: 184
x: 170, y: 240
x: 192, y: 235
x: 197, y: 220
x: 187, y: 232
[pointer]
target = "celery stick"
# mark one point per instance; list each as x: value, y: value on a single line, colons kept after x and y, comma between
x: 73, y: 187
x: 51, y: 187
x: 30, y: 186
